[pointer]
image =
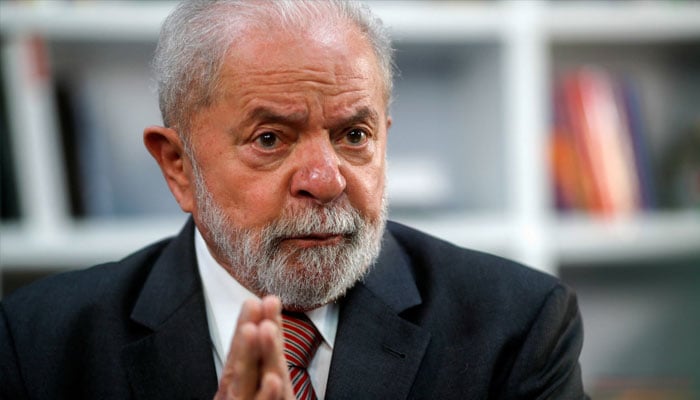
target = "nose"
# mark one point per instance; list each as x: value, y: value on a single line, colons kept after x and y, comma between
x: 318, y: 175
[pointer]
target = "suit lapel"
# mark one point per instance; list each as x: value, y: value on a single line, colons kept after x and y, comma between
x: 174, y: 357
x: 377, y: 353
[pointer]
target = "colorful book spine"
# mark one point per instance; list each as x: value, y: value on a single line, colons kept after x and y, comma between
x: 599, y: 159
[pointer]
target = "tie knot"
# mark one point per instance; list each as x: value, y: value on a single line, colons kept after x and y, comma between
x: 301, y: 339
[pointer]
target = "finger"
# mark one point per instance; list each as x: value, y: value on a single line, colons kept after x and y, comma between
x: 273, y: 362
x: 241, y: 371
x: 272, y: 309
x: 271, y: 388
x: 251, y: 311
x: 272, y: 344
x: 241, y: 374
x: 245, y: 341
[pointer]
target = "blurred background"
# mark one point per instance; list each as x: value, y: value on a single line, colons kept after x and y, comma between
x: 563, y: 134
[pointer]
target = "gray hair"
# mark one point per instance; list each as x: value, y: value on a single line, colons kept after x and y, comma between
x: 197, y: 35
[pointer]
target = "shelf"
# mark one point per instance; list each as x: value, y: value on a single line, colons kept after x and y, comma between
x: 582, y: 240
x: 647, y: 22
x: 458, y: 20
x: 81, y: 243
x: 487, y: 232
x: 96, y: 21
x: 576, y: 239
x: 603, y: 21
x: 141, y: 20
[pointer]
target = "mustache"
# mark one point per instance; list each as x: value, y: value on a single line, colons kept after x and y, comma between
x: 336, y: 219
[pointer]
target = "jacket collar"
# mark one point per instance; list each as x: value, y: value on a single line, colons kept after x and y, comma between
x: 174, y: 357
x: 377, y: 352
x: 391, y: 279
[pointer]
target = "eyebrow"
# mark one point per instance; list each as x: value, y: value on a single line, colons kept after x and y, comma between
x: 363, y: 114
x: 270, y: 116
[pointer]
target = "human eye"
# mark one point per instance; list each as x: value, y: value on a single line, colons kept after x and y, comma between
x: 267, y: 141
x: 355, y: 137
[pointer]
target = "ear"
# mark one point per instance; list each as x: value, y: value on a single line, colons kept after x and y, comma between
x: 167, y: 148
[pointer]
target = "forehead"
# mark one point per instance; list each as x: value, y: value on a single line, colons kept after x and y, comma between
x: 332, y: 61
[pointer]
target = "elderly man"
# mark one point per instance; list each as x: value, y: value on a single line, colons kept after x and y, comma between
x: 274, y: 139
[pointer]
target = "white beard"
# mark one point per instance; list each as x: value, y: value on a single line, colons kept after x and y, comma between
x: 303, y: 278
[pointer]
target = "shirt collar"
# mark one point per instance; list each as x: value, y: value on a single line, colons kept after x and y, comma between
x: 224, y: 297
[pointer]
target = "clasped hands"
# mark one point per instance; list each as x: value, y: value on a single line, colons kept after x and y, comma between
x: 255, y: 366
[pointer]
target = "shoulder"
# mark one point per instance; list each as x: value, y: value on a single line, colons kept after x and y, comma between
x: 53, y: 330
x: 444, y: 260
x: 104, y: 287
x: 515, y: 328
x: 475, y: 284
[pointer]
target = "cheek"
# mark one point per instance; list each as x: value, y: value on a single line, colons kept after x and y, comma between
x: 366, y: 189
x: 249, y: 200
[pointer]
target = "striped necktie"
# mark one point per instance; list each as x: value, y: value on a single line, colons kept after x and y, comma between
x: 301, y: 339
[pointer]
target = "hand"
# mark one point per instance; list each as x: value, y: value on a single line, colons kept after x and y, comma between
x: 255, y: 367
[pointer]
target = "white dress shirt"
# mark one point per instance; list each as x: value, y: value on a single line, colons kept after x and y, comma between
x: 224, y: 297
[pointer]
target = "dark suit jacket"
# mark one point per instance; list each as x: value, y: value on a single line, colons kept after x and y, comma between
x: 431, y: 321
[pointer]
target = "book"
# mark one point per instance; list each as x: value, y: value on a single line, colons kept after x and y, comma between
x: 9, y: 197
x: 633, y: 112
x: 33, y: 133
x: 599, y: 160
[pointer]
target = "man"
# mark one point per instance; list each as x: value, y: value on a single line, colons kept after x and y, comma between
x: 274, y: 139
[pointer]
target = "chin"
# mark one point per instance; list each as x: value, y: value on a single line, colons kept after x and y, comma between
x: 302, y: 290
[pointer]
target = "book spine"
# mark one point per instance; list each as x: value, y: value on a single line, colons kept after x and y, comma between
x: 599, y: 161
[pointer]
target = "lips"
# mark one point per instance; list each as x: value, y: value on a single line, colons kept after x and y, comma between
x: 316, y: 239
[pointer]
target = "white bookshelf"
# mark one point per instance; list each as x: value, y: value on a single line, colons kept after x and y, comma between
x: 473, y: 112
x: 518, y: 35
x: 632, y: 21
x: 92, y: 20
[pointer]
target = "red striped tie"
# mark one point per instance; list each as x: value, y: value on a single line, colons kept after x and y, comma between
x: 301, y: 339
